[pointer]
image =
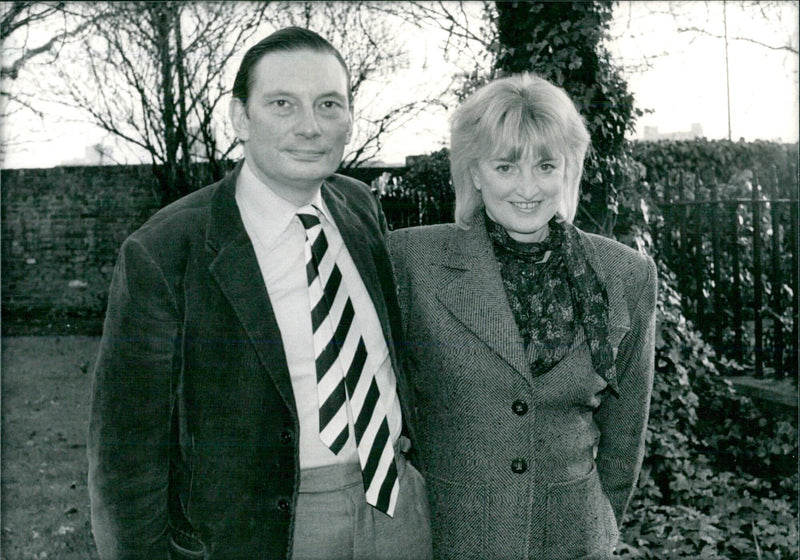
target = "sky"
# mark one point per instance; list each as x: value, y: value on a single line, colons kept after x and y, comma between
x: 678, y: 76
x: 687, y: 80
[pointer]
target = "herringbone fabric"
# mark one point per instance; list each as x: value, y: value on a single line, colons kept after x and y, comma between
x: 520, y: 466
x: 340, y: 355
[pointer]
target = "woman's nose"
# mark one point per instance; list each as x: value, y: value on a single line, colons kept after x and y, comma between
x: 528, y: 186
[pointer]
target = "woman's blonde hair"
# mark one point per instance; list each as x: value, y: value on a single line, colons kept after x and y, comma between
x: 507, y: 118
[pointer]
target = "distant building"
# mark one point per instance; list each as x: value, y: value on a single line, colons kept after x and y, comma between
x: 97, y: 154
x: 652, y: 133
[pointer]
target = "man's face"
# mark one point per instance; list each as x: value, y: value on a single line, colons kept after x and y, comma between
x: 296, y: 123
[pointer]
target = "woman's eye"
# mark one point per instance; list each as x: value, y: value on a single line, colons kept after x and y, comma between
x: 547, y: 167
x: 503, y: 168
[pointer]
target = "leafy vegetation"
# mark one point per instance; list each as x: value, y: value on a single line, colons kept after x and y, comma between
x: 718, y: 294
x: 719, y: 479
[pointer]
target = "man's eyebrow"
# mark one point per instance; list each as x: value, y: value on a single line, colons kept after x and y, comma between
x: 333, y: 94
x: 285, y: 93
x: 278, y: 92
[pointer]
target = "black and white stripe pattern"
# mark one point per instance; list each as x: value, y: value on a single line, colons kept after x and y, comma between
x: 340, y: 356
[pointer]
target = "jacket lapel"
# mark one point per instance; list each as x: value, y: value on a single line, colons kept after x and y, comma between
x: 618, y: 317
x: 366, y: 250
x: 235, y: 268
x: 472, y: 290
x: 351, y: 228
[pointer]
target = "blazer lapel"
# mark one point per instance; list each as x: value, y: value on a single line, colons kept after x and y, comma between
x: 357, y: 243
x: 473, y: 291
x: 236, y: 270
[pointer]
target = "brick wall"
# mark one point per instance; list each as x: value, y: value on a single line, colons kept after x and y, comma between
x: 62, y: 228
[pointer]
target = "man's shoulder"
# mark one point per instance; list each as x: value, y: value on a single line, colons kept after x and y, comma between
x: 345, y: 182
x: 349, y: 187
x: 181, y: 218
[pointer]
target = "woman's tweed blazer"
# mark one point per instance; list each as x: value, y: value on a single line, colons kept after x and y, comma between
x: 520, y: 466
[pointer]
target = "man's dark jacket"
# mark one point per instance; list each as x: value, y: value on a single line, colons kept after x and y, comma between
x: 193, y: 440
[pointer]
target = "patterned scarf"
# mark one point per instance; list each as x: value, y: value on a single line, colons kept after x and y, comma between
x: 551, y: 288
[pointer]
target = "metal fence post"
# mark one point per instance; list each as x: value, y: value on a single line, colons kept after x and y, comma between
x: 699, y: 259
x: 716, y: 257
x: 736, y: 296
x: 794, y: 205
x: 757, y: 296
x: 776, y: 280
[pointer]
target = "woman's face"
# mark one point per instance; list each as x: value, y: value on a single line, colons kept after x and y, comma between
x: 522, y: 195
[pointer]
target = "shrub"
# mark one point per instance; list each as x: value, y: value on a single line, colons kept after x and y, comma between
x: 719, y: 477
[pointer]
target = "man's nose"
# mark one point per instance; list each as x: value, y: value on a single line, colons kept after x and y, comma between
x: 307, y: 124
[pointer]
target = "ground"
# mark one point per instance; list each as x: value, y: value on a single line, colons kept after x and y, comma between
x: 45, y: 412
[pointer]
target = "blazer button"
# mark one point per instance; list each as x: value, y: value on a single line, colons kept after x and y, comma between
x: 286, y: 437
x: 519, y: 466
x: 284, y: 505
x: 519, y: 408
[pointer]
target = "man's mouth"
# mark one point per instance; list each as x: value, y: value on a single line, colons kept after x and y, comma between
x: 307, y: 154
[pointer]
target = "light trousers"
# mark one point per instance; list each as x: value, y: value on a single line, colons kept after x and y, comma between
x: 334, y: 522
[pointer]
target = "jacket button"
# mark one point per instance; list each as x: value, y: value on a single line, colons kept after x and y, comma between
x: 519, y: 466
x: 286, y: 437
x: 519, y: 408
x: 284, y: 505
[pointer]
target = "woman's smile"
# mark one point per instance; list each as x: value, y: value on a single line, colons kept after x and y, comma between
x: 527, y: 206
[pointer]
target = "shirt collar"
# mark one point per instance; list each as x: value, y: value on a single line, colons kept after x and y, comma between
x: 272, y: 212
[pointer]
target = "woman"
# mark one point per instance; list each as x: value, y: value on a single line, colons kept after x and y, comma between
x: 529, y: 342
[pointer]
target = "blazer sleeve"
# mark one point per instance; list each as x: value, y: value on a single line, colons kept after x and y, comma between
x: 622, y: 420
x: 129, y: 431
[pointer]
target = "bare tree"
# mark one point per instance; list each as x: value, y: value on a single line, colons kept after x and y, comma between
x: 470, y: 35
x: 153, y: 75
x: 29, y: 32
x: 768, y: 12
x: 695, y: 20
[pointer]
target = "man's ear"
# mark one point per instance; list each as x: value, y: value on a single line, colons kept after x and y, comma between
x: 350, y: 127
x: 237, y: 112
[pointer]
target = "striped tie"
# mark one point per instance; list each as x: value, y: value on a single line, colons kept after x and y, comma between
x: 339, y: 348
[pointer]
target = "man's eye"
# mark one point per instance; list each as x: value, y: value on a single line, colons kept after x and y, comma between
x: 280, y: 103
x: 331, y: 104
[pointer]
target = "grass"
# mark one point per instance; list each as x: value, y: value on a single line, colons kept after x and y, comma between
x: 45, y: 412
x: 44, y: 501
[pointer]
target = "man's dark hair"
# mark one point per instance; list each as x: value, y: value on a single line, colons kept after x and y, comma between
x: 288, y: 39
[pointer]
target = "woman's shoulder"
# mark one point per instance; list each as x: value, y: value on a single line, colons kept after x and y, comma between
x: 421, y: 235
x: 416, y: 247
x: 619, y: 261
x: 606, y: 246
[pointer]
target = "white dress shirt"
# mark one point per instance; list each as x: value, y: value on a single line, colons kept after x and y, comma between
x: 278, y: 238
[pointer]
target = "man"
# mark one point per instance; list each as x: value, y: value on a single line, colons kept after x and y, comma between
x: 246, y: 399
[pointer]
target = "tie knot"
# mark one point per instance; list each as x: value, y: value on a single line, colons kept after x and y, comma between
x: 308, y: 216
